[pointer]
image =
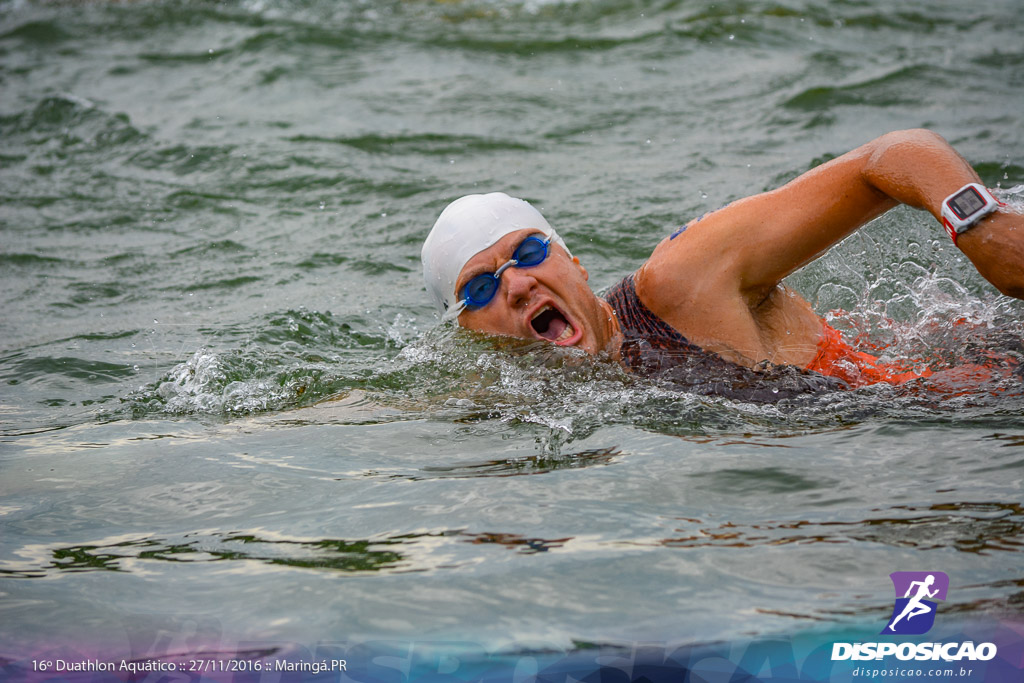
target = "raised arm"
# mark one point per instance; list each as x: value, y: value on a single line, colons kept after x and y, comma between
x: 761, y: 239
x: 919, y: 168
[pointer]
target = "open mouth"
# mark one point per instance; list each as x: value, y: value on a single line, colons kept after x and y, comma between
x: 550, y: 324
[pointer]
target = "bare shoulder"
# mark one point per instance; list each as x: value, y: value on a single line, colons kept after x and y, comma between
x: 689, y: 269
x: 689, y: 283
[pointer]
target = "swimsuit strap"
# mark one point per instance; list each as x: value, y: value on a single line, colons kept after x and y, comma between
x: 642, y: 330
x: 635, y: 319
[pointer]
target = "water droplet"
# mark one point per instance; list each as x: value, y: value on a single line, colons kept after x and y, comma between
x: 732, y: 37
x: 323, y: 204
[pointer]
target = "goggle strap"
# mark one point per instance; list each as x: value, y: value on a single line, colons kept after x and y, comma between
x: 453, y: 312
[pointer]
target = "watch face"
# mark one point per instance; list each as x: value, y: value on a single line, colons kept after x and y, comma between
x: 966, y: 203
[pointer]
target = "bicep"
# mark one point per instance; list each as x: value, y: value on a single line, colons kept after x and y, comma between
x: 759, y: 240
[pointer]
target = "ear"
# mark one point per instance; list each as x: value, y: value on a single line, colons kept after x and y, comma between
x: 576, y: 260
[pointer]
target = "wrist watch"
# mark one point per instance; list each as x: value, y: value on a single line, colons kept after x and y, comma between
x: 964, y: 208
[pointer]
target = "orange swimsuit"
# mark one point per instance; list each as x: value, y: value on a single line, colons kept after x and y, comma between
x: 836, y: 358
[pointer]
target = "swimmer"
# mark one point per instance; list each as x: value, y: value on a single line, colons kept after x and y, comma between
x: 915, y: 607
x: 495, y: 265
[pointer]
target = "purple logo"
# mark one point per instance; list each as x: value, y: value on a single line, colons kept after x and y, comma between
x: 914, y: 611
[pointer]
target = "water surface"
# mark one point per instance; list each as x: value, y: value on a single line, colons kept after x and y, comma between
x: 229, y: 415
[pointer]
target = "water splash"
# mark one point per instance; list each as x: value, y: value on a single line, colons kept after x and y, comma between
x: 207, y: 384
x: 289, y: 360
x: 563, y: 395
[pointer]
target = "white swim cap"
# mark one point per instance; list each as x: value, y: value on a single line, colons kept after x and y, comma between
x: 466, y: 227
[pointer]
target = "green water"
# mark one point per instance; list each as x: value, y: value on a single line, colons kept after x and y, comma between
x: 211, y: 217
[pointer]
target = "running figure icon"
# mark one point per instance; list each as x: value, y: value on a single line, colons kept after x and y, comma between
x: 915, y: 607
x: 916, y: 596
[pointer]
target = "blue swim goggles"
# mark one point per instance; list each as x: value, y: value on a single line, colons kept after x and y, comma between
x: 479, y: 291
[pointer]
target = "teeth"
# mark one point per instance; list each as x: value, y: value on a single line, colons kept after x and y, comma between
x: 567, y: 333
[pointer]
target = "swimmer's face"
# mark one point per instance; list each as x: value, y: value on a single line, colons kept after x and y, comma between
x: 550, y: 301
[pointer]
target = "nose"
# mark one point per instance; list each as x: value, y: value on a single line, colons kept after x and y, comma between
x: 519, y: 286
